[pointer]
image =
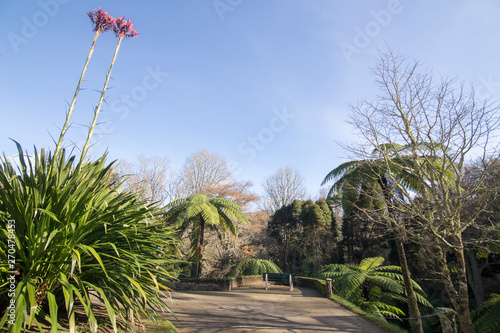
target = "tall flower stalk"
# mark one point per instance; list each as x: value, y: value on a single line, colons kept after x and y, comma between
x: 76, y: 236
x: 102, y: 22
x: 123, y: 28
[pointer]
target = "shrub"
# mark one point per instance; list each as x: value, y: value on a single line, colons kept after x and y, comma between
x: 78, y: 235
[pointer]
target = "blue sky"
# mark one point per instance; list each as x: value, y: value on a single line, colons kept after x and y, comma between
x: 266, y: 83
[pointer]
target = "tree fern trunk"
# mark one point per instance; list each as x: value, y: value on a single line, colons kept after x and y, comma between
x: 200, y: 247
x: 197, y: 246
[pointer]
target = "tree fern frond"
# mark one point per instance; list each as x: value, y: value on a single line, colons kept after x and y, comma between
x: 422, y: 300
x: 252, y: 266
x: 386, y: 283
x: 388, y: 310
x: 389, y: 274
x: 370, y: 263
x: 486, y: 318
x: 351, y: 282
x: 339, y: 171
x: 391, y: 268
x: 332, y: 271
x: 393, y: 297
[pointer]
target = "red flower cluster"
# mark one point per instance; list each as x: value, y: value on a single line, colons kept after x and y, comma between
x: 124, y: 28
x: 102, y: 21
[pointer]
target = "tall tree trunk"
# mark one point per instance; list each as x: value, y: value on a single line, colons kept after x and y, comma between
x: 194, y: 269
x: 200, y: 246
x: 463, y: 311
x: 416, y: 323
x: 348, y: 237
x: 399, y: 230
x: 198, y: 256
x: 458, y: 292
x: 285, y: 250
x: 474, y: 278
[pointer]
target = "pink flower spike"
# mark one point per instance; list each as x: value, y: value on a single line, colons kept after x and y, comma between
x: 102, y: 21
x: 124, y: 28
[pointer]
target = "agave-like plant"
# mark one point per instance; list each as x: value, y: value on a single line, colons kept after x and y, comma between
x: 70, y: 235
x: 253, y: 266
x: 371, y: 286
x: 77, y: 235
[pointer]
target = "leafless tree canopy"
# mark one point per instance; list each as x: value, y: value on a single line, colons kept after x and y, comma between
x: 203, y: 171
x: 282, y: 188
x: 151, y: 176
x: 208, y: 173
x: 440, y: 126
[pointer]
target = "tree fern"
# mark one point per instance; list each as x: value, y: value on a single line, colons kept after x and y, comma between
x: 371, y: 286
x: 486, y: 318
x: 252, y: 266
x: 199, y: 211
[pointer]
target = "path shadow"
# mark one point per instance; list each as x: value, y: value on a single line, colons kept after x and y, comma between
x: 257, y: 310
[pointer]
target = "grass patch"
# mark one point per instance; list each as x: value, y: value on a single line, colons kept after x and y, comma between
x: 380, y: 322
x: 161, y: 326
x: 147, y: 325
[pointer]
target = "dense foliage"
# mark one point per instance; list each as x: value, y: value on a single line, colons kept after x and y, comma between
x: 487, y: 317
x: 305, y: 233
x: 77, y: 236
x: 373, y: 287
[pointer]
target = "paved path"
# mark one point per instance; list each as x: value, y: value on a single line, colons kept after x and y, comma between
x: 258, y: 310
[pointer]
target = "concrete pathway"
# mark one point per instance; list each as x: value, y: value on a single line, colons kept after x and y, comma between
x: 258, y: 310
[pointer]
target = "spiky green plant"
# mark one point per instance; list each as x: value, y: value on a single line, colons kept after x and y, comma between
x: 70, y: 236
x: 371, y: 286
x: 252, y: 266
x: 77, y: 236
x: 200, y: 211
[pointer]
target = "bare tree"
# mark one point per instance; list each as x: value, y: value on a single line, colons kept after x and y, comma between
x: 427, y: 130
x: 208, y: 173
x: 203, y: 171
x: 149, y: 176
x: 282, y: 188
